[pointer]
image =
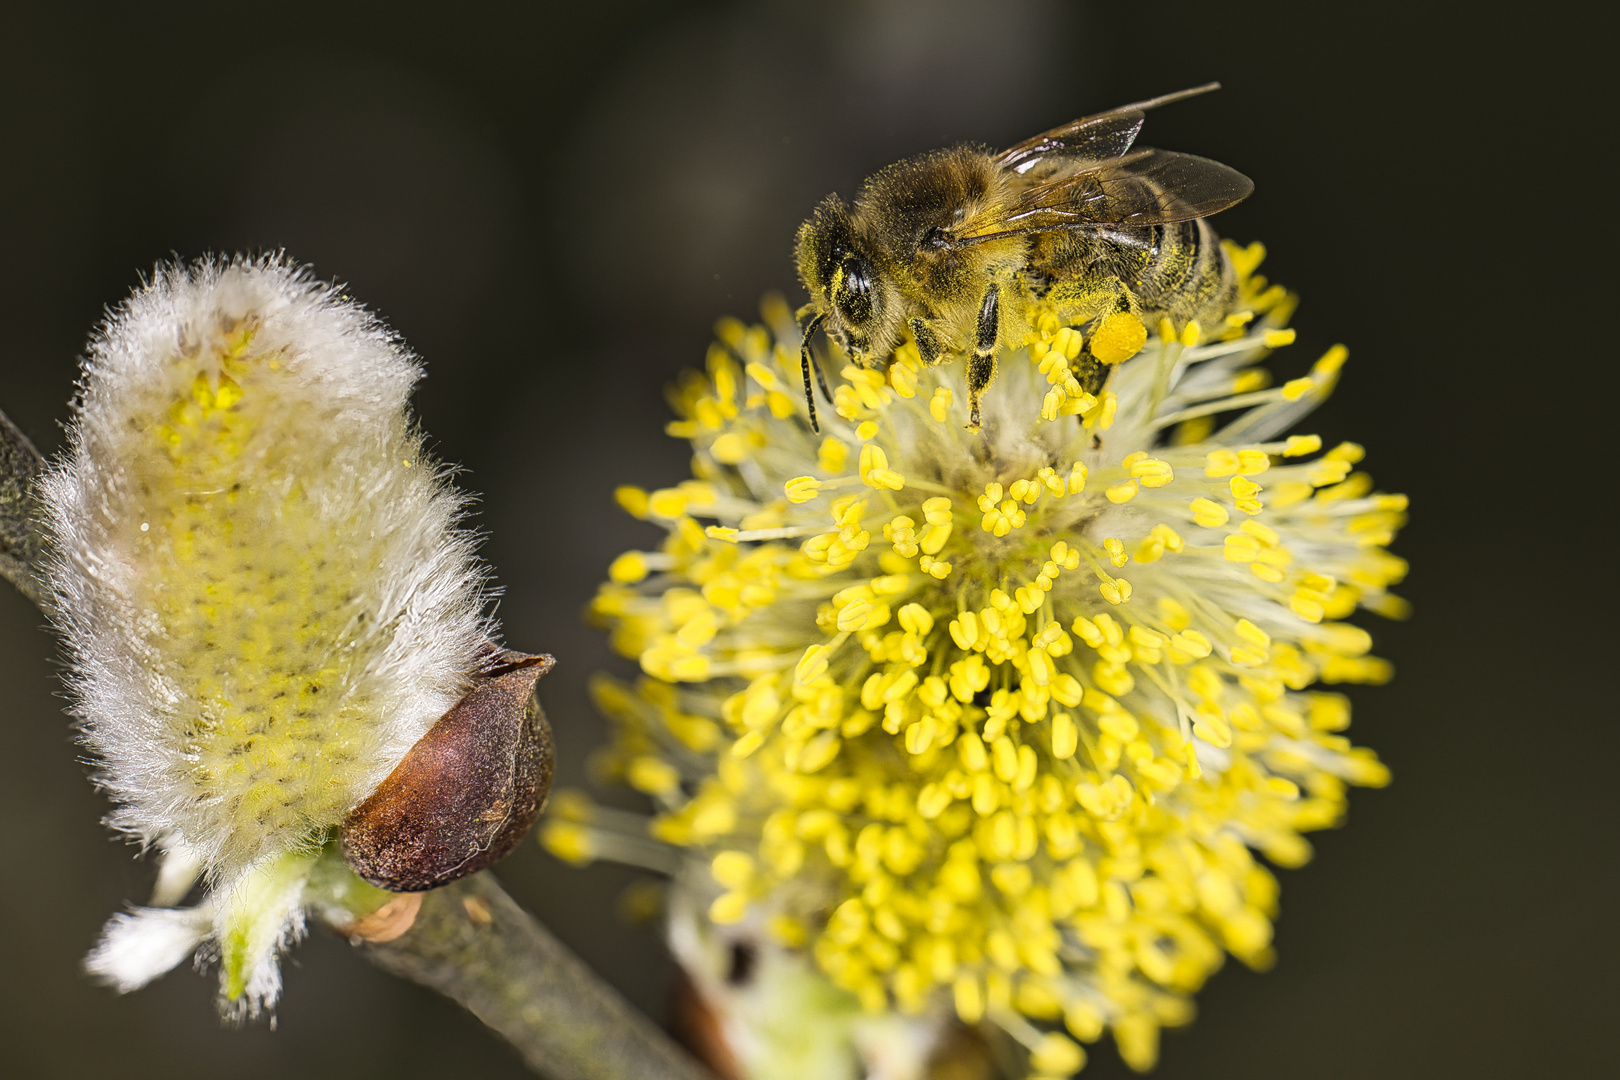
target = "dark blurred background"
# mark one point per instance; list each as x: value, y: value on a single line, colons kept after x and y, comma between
x: 553, y: 202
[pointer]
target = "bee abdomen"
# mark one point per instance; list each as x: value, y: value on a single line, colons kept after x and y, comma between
x: 1188, y: 277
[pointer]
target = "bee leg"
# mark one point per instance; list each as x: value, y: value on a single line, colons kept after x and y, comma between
x: 807, y: 362
x: 928, y: 344
x: 981, y: 368
x: 1091, y: 373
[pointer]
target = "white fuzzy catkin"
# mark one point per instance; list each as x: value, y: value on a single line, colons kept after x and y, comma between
x: 257, y: 570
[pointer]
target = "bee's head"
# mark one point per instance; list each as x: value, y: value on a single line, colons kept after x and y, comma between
x: 861, y: 304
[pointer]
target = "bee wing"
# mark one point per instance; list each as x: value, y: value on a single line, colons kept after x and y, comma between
x: 1145, y: 187
x: 1088, y: 139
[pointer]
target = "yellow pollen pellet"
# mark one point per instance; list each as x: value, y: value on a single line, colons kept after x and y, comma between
x: 1118, y: 337
x: 1299, y: 445
x: 1208, y: 513
x: 939, y: 406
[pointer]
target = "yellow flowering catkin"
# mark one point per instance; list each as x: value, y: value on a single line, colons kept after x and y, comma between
x: 994, y: 722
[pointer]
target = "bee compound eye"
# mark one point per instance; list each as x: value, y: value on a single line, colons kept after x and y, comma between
x: 854, y: 293
x: 467, y: 793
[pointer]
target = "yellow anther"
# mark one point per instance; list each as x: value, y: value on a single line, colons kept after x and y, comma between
x: 653, y: 776
x: 1243, y: 488
x: 1116, y: 592
x: 732, y: 869
x: 1307, y: 605
x: 1294, y: 389
x: 728, y: 908
x: 1299, y: 445
x: 968, y: 998
x: 939, y: 406
x: 1331, y: 361
x: 1251, y: 462
x: 1143, y: 638
x: 1251, y: 380
x: 633, y: 499
x: 1152, y: 472
x: 628, y: 568
x: 1192, y: 643
x: 1221, y: 463
x: 723, y: 533
x: 915, y: 619
x: 812, y: 665
x: 1065, y: 736
x: 1041, y: 668
x: 833, y: 455
x: 1116, y: 551
x: 1057, y: 1055
x: 1121, y: 493
x: 1241, y: 548
x: 1276, y: 339
x: 1077, y: 478
x: 1167, y: 330
x: 1192, y: 334
x: 965, y: 630
x: 1174, y: 614
x: 867, y: 430
x: 1252, y: 634
x: 1208, y: 513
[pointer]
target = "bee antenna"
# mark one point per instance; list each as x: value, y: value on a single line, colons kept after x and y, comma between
x: 807, y: 362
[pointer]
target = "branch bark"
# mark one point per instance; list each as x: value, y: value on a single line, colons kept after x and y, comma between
x: 470, y: 941
x: 20, y: 541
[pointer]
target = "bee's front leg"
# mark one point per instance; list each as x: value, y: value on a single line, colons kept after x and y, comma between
x: 982, y: 364
x: 929, y: 347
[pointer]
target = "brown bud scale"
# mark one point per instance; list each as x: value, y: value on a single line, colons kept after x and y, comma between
x: 467, y: 793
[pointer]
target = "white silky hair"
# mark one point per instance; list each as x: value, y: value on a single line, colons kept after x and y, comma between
x: 257, y: 571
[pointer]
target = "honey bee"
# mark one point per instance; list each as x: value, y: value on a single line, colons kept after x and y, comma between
x: 963, y: 247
